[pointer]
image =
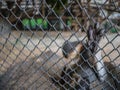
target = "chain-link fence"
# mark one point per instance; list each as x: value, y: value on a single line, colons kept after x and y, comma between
x: 59, y: 44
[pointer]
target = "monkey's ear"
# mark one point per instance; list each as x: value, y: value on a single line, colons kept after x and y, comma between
x: 101, y: 33
x: 90, y: 33
x: 96, y: 26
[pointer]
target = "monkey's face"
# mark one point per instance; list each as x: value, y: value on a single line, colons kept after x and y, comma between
x: 71, y: 50
x: 75, y: 53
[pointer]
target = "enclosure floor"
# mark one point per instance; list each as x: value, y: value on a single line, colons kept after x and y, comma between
x: 19, y: 46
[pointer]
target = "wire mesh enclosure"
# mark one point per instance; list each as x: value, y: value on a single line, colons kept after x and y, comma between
x: 59, y: 45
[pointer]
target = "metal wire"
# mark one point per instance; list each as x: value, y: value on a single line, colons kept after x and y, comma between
x: 31, y: 57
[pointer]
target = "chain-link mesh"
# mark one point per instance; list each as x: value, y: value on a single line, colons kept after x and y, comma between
x: 59, y: 44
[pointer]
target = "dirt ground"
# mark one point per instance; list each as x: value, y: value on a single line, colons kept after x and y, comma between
x: 23, y: 48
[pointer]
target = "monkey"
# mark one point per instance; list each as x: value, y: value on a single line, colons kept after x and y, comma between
x: 89, y: 68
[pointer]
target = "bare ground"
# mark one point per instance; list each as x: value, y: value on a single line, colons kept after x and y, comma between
x: 23, y: 48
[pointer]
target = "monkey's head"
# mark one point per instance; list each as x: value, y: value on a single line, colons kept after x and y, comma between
x: 71, y: 49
